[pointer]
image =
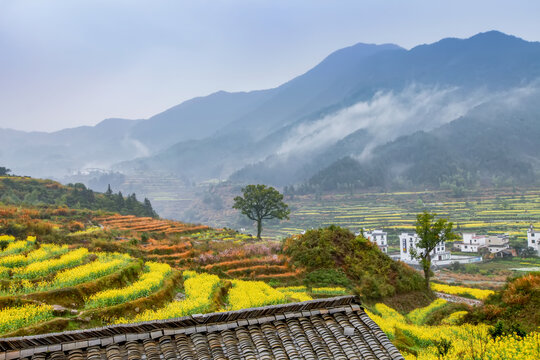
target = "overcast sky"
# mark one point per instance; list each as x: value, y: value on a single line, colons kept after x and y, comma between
x: 66, y: 63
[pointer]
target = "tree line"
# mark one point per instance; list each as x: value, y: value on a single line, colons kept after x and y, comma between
x: 38, y: 192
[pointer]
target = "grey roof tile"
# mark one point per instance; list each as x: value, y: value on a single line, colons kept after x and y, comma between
x: 325, y: 329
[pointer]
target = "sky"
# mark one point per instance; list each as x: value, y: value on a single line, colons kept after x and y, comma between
x: 67, y: 63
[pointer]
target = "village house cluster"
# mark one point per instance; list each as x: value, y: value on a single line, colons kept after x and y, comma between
x: 498, y: 245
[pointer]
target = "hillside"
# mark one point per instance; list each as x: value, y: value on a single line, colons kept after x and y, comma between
x: 65, y: 256
x: 493, y: 145
x: 90, y: 268
x: 87, y: 269
x: 335, y: 256
x: 16, y: 190
x: 114, y: 275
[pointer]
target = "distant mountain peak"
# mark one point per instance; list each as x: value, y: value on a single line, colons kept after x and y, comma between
x: 495, y: 36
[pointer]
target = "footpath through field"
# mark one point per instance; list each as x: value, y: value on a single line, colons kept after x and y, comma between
x: 458, y: 299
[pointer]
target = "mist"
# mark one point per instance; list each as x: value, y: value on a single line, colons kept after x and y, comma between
x: 389, y: 114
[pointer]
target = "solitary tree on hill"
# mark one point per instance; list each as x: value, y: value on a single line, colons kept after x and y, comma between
x: 430, y: 234
x: 260, y: 203
x: 4, y: 171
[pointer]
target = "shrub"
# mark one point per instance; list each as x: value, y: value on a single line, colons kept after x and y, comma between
x: 327, y: 277
x: 372, y: 273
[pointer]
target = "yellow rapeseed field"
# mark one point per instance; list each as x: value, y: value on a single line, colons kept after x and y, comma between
x: 46, y: 267
x: 461, y: 290
x: 106, y: 264
x: 18, y: 317
x: 150, y: 281
x: 419, y: 315
x: 44, y: 252
x: 454, y: 318
x: 469, y: 342
x: 296, y: 296
x: 329, y: 291
x: 15, y: 247
x: 247, y: 294
x: 199, y: 290
x: 7, y: 238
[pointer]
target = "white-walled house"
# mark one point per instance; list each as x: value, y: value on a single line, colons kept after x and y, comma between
x: 496, y: 243
x: 473, y: 243
x: 533, y: 239
x: 409, y: 241
x: 378, y: 237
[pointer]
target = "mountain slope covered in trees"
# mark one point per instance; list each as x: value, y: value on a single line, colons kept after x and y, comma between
x: 15, y: 190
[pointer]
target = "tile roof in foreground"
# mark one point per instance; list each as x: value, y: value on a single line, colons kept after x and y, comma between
x: 332, y: 328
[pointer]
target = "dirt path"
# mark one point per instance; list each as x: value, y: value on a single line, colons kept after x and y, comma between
x: 458, y: 299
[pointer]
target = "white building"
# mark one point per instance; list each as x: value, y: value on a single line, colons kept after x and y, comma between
x: 473, y: 243
x: 378, y: 237
x: 496, y: 243
x: 408, y: 242
x: 533, y: 239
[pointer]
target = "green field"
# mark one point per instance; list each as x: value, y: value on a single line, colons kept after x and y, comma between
x: 488, y: 211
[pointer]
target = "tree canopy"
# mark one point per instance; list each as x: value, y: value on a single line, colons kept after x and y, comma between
x: 259, y: 202
x: 4, y: 171
x: 431, y: 233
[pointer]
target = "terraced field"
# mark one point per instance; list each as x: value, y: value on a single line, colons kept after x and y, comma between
x: 147, y: 224
x: 224, y: 252
x: 489, y: 211
x: 416, y: 340
x: 47, y: 287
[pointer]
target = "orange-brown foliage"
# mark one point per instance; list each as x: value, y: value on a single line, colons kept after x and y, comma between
x: 245, y: 262
x: 519, y: 291
x: 75, y: 226
x: 147, y: 224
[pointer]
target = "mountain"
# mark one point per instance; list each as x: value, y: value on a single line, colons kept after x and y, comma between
x: 494, y: 143
x: 420, y: 89
x: 245, y: 140
x: 355, y: 101
x: 58, y: 153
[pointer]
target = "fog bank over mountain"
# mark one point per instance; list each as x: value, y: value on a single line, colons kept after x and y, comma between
x: 385, y: 116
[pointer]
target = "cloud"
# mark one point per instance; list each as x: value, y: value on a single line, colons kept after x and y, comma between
x: 386, y: 116
x: 139, y: 149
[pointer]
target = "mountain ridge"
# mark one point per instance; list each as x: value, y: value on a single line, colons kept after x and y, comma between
x: 246, y: 133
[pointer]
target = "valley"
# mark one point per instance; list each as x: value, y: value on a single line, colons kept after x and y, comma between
x: 343, y: 199
x: 486, y: 211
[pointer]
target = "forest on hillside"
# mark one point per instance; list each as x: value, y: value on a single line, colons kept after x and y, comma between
x: 16, y: 190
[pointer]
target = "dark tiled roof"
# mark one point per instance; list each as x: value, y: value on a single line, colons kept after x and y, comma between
x: 335, y: 328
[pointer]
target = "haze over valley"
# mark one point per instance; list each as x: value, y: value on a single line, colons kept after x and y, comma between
x: 398, y: 119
